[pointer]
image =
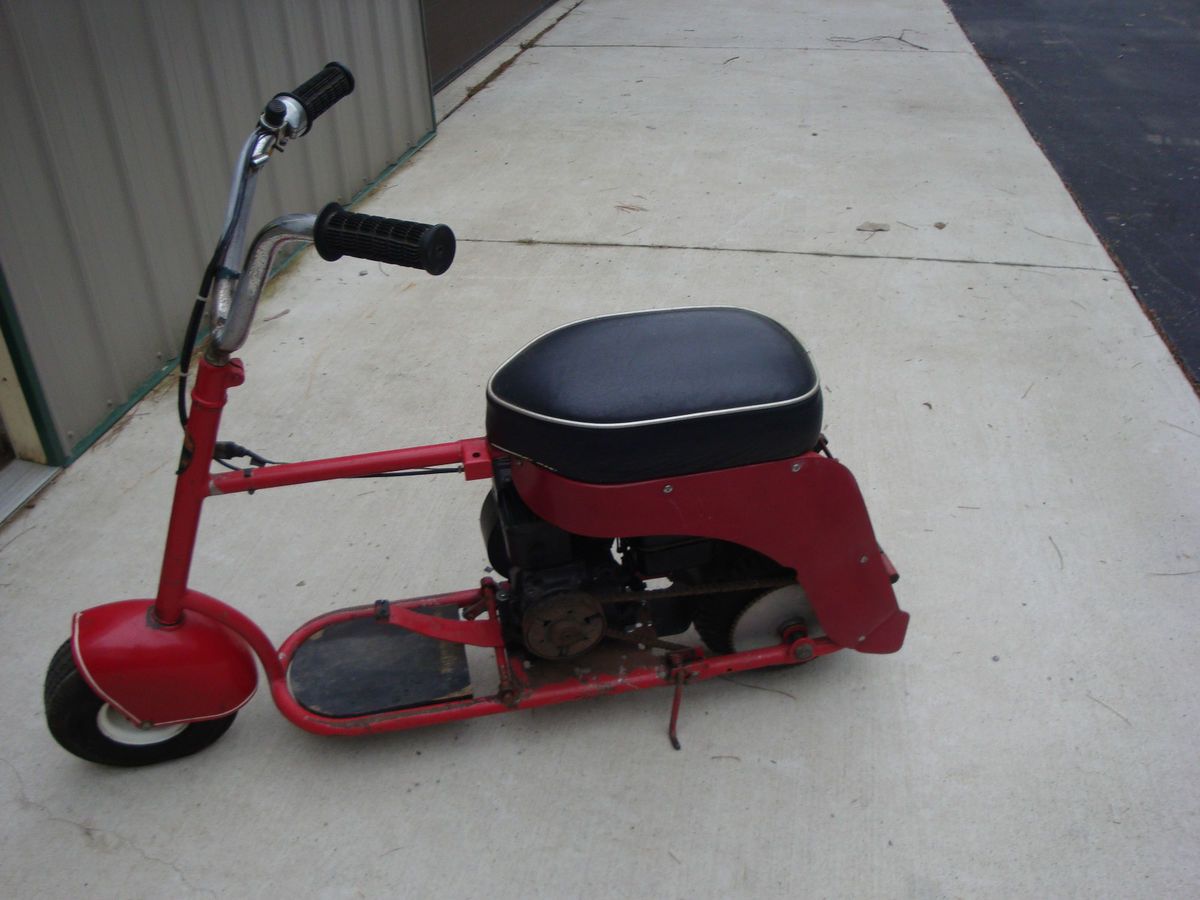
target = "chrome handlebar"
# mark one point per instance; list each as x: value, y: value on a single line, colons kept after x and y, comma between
x: 236, y: 296
x: 233, y: 293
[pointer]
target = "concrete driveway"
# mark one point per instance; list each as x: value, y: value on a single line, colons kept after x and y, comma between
x: 1027, y: 447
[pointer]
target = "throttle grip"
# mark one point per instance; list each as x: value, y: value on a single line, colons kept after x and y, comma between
x: 340, y: 233
x: 323, y: 90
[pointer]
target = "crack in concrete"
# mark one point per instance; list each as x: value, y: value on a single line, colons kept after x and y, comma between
x: 880, y: 37
x: 825, y: 254
x: 1055, y: 238
x: 94, y: 835
x: 842, y: 49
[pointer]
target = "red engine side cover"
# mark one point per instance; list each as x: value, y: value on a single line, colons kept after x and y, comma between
x: 196, y: 670
x: 805, y: 513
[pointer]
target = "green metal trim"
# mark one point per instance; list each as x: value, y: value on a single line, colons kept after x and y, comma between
x: 408, y: 154
x: 115, y: 416
x: 35, y: 399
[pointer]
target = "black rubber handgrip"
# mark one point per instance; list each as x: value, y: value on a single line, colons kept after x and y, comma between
x: 323, y: 90
x: 339, y: 233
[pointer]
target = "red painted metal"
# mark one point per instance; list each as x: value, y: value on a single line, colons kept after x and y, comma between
x: 228, y: 660
x: 243, y: 626
x: 673, y: 726
x: 477, y: 459
x: 403, y: 613
x: 893, y: 575
x: 473, y: 455
x: 522, y: 696
x: 191, y: 485
x: 480, y: 633
x: 805, y: 513
x: 203, y: 667
x: 198, y: 669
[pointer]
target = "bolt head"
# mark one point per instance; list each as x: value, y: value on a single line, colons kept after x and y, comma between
x: 667, y: 488
x: 804, y: 652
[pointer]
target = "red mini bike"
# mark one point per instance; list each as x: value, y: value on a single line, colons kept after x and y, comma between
x: 652, y: 472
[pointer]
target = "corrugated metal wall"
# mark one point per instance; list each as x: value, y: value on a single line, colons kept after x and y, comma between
x: 122, y: 120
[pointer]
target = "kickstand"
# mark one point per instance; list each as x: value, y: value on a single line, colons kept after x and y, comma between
x: 680, y: 680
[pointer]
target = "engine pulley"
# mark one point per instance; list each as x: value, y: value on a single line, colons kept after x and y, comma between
x: 563, y: 626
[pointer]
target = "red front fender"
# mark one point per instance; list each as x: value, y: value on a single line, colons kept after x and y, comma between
x: 157, y: 675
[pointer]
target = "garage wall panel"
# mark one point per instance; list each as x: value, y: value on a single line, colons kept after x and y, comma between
x: 123, y: 120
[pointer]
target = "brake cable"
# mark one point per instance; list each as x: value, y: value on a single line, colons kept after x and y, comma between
x: 224, y: 451
x: 185, y: 354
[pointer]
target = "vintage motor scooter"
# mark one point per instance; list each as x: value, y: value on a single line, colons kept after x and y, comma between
x: 652, y: 472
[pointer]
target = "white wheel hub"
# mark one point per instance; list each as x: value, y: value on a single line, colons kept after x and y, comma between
x: 759, y: 623
x: 114, y: 726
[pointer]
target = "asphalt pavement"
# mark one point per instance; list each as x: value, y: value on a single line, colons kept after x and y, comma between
x: 1111, y: 92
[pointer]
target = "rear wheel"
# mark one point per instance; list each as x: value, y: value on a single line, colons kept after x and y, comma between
x: 751, y: 620
x: 94, y: 730
x: 714, y: 618
x: 732, y: 621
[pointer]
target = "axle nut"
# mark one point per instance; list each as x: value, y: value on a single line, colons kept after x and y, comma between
x: 804, y: 652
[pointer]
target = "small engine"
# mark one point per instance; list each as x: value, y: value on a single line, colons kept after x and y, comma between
x: 567, y: 592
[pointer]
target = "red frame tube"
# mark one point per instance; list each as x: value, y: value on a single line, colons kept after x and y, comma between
x: 191, y: 485
x: 516, y: 692
x: 194, y: 483
x: 473, y: 455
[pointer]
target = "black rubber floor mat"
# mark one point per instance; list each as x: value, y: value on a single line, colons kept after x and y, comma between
x: 366, y: 666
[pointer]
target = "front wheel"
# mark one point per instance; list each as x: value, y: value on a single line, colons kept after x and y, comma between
x: 93, y: 730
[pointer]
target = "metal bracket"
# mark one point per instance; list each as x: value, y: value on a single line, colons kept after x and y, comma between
x: 680, y: 675
x: 485, y: 633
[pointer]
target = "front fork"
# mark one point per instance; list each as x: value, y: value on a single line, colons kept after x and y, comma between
x: 192, y: 484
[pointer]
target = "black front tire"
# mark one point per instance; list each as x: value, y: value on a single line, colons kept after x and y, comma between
x: 73, y: 714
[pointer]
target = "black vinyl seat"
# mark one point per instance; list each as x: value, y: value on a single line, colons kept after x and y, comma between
x: 644, y: 395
